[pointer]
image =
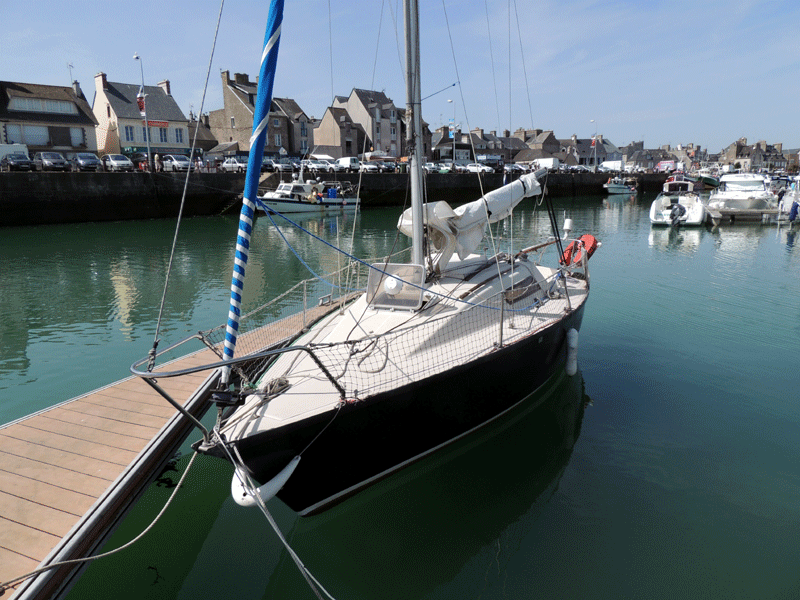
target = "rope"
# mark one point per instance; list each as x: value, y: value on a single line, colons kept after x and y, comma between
x: 152, y: 353
x: 240, y: 471
x: 7, y: 584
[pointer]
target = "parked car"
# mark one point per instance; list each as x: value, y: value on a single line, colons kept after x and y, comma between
x: 388, y: 166
x: 50, y: 161
x: 350, y: 163
x: 234, y: 164
x: 284, y: 166
x: 479, y: 168
x: 430, y: 168
x: 513, y: 169
x: 369, y: 167
x: 267, y: 165
x: 86, y: 161
x: 176, y: 162
x: 16, y: 162
x: 116, y: 162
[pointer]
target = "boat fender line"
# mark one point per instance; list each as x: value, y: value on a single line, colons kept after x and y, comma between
x: 243, y: 493
x: 572, y: 352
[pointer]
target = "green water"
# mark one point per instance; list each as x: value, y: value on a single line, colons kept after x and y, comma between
x: 679, y: 479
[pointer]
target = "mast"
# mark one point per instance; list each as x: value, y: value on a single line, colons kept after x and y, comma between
x: 414, y: 126
x: 269, y: 60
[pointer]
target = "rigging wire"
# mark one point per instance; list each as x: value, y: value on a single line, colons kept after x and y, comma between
x: 491, y: 56
x: 471, y: 141
x: 152, y: 352
x: 524, y: 69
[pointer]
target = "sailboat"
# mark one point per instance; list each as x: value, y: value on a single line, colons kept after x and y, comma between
x: 430, y: 350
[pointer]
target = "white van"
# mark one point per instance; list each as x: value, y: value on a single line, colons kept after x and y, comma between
x: 6, y: 149
x: 350, y: 163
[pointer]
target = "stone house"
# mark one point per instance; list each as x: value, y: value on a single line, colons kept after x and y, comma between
x: 379, y: 120
x: 289, y: 132
x: 46, y: 117
x: 120, y: 124
x: 336, y: 134
x: 754, y: 157
x: 584, y: 151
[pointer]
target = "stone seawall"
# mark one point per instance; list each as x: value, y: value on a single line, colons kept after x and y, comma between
x: 51, y: 198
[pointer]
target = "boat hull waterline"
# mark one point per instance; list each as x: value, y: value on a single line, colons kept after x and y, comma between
x: 353, y: 452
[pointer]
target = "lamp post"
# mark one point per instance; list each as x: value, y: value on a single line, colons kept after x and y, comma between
x: 146, y: 122
x: 594, y: 147
x: 454, y: 135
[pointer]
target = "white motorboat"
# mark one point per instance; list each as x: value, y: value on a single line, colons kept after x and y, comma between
x: 743, y: 191
x: 678, y: 205
x: 619, y: 185
x: 378, y: 376
x: 310, y: 196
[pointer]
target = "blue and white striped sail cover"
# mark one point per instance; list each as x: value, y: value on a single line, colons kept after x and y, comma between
x: 269, y: 59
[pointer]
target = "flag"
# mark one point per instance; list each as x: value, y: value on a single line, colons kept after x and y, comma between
x: 592, y: 141
x: 140, y: 101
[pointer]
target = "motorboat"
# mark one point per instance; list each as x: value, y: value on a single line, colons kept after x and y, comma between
x: 310, y: 196
x: 620, y: 185
x: 743, y: 191
x: 678, y: 204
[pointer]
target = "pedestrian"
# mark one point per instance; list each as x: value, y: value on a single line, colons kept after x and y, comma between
x: 158, y: 163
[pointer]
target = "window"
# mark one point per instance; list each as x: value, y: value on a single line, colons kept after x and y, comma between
x: 129, y: 137
x: 304, y: 146
x: 233, y: 123
x: 278, y: 139
x: 394, y: 133
x: 76, y: 136
x: 179, y: 136
x: 108, y: 110
x: 276, y: 122
x: 35, y: 135
x: 41, y: 105
x: 144, y: 134
x: 377, y: 128
x: 303, y: 129
x: 13, y: 134
x: 162, y: 135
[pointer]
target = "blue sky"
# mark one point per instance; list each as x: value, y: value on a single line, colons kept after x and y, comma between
x: 703, y: 72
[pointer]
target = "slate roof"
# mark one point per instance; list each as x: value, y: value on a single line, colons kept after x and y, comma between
x: 288, y: 107
x: 160, y: 106
x: 11, y: 89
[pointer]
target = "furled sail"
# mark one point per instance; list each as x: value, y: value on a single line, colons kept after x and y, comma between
x: 461, y: 230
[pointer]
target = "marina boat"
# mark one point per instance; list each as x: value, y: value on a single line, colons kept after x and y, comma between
x: 427, y: 351
x: 742, y: 191
x: 310, y: 196
x: 619, y: 185
x: 678, y: 204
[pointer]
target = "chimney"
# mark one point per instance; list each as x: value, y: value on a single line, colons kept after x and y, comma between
x: 100, y: 81
x: 506, y: 133
x: 164, y: 85
x: 242, y: 78
x: 205, y: 120
x: 76, y: 87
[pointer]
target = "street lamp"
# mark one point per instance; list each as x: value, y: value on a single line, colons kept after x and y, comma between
x: 144, y: 110
x: 594, y: 147
x: 454, y: 134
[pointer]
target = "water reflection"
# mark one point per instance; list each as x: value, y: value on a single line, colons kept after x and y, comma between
x: 419, y: 528
x: 671, y: 239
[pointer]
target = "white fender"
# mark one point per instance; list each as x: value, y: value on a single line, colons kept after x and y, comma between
x: 243, y: 498
x: 572, y: 352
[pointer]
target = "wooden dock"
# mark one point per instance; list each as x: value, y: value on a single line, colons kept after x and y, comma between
x: 69, y: 474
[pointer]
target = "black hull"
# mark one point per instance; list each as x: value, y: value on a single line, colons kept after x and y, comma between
x: 370, y: 439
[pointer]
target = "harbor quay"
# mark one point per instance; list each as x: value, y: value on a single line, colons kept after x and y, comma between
x: 48, y: 198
